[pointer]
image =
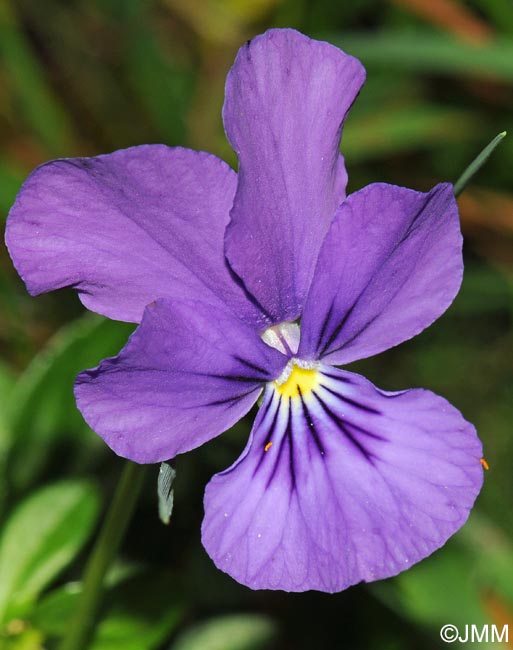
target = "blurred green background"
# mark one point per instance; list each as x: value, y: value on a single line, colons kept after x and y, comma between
x: 82, y: 77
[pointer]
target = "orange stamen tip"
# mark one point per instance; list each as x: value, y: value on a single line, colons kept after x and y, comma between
x: 484, y: 463
x: 268, y: 446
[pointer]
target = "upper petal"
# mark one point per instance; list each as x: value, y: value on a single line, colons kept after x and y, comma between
x: 390, y: 265
x: 127, y: 228
x: 286, y: 98
x: 343, y: 484
x: 187, y: 374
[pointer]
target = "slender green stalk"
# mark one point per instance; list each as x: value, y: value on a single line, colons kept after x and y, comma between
x: 81, y: 624
x: 476, y: 164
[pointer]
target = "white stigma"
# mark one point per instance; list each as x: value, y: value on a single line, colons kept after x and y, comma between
x: 283, y: 337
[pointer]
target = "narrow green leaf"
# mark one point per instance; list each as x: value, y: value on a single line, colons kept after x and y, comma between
x: 11, y: 178
x: 163, y: 85
x: 38, y: 105
x: 165, y: 491
x: 40, y: 538
x: 65, y: 31
x: 485, y: 290
x: 7, y: 381
x: 397, y: 129
x: 499, y: 11
x: 430, y: 52
x: 6, y: 384
x: 237, y: 632
x: 476, y: 164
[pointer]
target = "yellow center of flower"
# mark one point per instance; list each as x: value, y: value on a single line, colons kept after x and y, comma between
x: 300, y: 381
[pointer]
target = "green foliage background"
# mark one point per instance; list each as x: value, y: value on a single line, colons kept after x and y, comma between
x: 84, y: 77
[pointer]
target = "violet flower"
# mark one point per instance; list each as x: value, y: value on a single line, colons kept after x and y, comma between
x: 265, y: 281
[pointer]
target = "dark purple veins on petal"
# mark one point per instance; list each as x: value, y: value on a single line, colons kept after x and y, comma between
x: 311, y: 426
x: 345, y: 428
x: 283, y: 436
x: 272, y: 426
x: 189, y: 372
x: 287, y: 440
x: 347, y: 400
x: 230, y: 401
x: 357, y: 485
x: 397, y: 255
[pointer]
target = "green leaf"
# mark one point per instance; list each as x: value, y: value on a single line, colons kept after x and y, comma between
x: 435, y: 592
x: 428, y: 51
x: 139, y: 623
x: 442, y: 590
x: 139, y: 614
x: 476, y: 164
x: 499, y: 11
x: 42, y: 407
x: 237, y: 632
x: 456, y: 585
x: 38, y: 105
x: 484, y: 290
x: 25, y: 638
x: 6, y: 384
x: 491, y: 551
x: 11, y: 179
x: 163, y: 85
x: 40, y: 538
x: 165, y: 491
x: 397, y: 129
x: 54, y: 609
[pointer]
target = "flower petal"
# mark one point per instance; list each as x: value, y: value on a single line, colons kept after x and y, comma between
x: 127, y: 228
x: 390, y: 265
x: 187, y: 374
x: 358, y: 485
x: 286, y: 99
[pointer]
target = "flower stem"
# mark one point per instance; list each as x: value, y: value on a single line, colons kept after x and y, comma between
x: 81, y: 624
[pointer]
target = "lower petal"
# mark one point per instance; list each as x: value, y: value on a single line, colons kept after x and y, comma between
x: 341, y: 483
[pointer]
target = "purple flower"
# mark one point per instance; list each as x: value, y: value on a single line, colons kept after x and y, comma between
x: 265, y: 281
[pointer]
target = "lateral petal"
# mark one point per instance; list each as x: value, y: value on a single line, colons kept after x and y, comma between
x: 286, y: 99
x: 390, y: 265
x: 127, y: 228
x: 187, y: 374
x: 343, y: 484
